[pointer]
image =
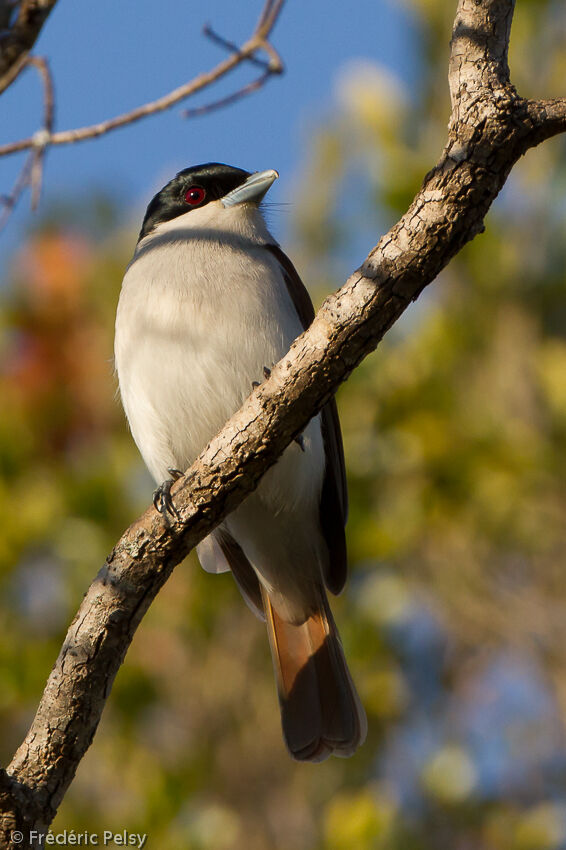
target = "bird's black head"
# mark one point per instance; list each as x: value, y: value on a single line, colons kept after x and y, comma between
x: 191, y: 188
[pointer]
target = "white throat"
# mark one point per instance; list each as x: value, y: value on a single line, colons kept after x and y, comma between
x: 243, y: 223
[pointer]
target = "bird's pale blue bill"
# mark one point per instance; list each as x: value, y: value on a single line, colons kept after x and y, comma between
x: 253, y: 189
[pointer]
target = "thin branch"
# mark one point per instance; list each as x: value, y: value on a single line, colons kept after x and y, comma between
x: 230, y: 46
x: 446, y: 213
x: 16, y: 44
x: 42, y: 65
x: 9, y: 202
x: 31, y: 174
x: 254, y: 44
x: 229, y: 99
x: 271, y: 67
x: 268, y: 17
x: 36, y: 176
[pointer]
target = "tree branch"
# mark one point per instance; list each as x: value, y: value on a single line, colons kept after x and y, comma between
x: 490, y: 128
x: 254, y: 44
x: 548, y: 118
x: 479, y: 48
x: 235, y: 96
x: 21, y: 37
x: 31, y: 173
x: 38, y: 144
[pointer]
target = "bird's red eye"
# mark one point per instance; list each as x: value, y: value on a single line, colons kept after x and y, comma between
x: 195, y: 196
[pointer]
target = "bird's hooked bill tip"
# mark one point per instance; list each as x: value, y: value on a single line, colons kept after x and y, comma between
x: 252, y: 189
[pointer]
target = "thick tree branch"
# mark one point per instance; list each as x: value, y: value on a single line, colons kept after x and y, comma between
x: 490, y: 128
x: 21, y: 37
x: 479, y: 48
x: 548, y: 118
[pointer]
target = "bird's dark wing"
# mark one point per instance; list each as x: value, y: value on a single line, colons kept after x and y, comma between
x: 242, y: 570
x: 334, y: 498
x: 297, y: 289
x: 334, y: 495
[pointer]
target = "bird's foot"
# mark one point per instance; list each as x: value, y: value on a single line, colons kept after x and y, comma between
x: 299, y: 440
x: 162, y: 500
x: 266, y: 375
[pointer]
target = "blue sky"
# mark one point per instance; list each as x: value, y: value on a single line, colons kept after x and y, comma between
x: 108, y: 57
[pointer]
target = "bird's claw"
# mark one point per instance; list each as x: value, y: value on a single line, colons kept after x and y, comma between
x: 299, y: 440
x: 266, y: 375
x: 162, y: 500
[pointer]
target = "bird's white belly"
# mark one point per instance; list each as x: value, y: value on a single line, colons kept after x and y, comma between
x: 189, y: 345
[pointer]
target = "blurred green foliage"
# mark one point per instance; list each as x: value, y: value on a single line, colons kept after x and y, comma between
x: 455, y: 434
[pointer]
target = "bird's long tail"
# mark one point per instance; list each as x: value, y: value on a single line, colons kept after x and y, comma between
x: 321, y: 712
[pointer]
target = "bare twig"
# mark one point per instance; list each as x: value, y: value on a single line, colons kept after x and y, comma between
x: 8, y: 202
x: 42, y: 138
x: 42, y: 65
x: 230, y: 46
x: 254, y: 44
x: 229, y: 99
x: 267, y: 21
x: 268, y: 17
x: 32, y: 170
x: 31, y: 173
x: 446, y: 213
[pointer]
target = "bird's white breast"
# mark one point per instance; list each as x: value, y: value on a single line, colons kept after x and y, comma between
x: 203, y: 308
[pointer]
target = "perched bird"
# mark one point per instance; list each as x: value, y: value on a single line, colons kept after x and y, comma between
x: 208, y: 303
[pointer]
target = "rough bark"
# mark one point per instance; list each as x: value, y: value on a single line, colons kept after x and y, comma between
x: 490, y: 128
x: 21, y: 37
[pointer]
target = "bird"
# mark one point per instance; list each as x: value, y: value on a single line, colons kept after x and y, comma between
x: 209, y: 302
